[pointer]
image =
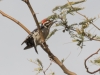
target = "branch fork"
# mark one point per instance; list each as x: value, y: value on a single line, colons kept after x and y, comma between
x: 45, y: 48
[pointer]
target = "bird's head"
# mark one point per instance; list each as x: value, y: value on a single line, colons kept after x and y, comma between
x: 47, y: 22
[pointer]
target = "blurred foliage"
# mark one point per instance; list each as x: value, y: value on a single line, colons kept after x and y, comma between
x: 62, y: 60
x: 96, y: 61
x: 40, y: 67
x: 51, y: 73
x: 77, y: 31
x: 67, y: 6
x: 39, y: 64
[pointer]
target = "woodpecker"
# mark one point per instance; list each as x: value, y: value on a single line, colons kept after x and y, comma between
x: 34, y: 39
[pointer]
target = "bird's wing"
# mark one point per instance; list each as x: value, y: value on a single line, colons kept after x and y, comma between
x: 30, y: 43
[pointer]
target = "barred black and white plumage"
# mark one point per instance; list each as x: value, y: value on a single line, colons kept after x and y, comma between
x: 34, y: 39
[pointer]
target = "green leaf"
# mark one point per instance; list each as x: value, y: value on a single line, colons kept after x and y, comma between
x: 40, y: 63
x: 66, y: 6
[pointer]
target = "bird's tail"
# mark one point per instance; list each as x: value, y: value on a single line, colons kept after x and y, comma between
x: 29, y: 43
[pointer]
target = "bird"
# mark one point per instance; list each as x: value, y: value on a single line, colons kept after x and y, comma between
x: 34, y: 39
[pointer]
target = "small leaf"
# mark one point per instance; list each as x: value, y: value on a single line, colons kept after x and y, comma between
x: 62, y: 60
x: 38, y: 69
x: 78, y: 31
x: 75, y: 40
x: 40, y: 63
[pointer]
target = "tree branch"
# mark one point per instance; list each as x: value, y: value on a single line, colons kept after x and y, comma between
x: 57, y: 61
x: 86, y: 65
x: 44, y: 46
x: 16, y: 21
x: 83, y: 16
x: 35, y: 18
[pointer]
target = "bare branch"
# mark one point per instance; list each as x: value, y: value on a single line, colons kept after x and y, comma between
x: 86, y: 65
x: 35, y: 18
x: 57, y: 61
x: 16, y: 21
x: 45, y: 46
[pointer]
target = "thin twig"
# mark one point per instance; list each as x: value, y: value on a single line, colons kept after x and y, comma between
x: 47, y: 67
x: 83, y: 16
x: 45, y: 48
x: 86, y: 65
x: 68, y: 56
x: 88, y: 20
